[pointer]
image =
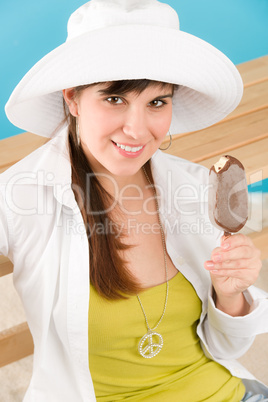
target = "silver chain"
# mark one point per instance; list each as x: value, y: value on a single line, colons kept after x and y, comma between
x: 165, y: 257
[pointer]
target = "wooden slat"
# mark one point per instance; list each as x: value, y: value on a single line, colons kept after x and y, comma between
x: 254, y: 71
x: 255, y: 77
x: 17, y: 147
x: 222, y: 138
x: 15, y: 343
x: 260, y: 239
x: 6, y: 266
x: 254, y: 98
x: 254, y: 157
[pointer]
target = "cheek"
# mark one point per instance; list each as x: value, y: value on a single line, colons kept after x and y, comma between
x: 97, y: 126
x: 162, y: 124
x: 95, y: 114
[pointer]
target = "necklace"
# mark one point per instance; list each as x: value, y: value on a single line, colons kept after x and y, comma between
x: 152, y: 342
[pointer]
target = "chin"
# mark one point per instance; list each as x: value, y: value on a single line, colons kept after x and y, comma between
x: 125, y: 170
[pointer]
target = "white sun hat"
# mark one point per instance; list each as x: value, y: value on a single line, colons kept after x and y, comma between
x: 128, y: 39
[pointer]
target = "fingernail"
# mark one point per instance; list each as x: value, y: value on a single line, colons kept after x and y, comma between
x: 209, y: 264
x: 225, y: 246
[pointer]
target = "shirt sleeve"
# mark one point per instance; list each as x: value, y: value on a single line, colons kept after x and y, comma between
x: 232, y: 336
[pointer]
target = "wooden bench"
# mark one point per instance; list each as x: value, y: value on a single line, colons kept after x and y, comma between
x: 243, y: 134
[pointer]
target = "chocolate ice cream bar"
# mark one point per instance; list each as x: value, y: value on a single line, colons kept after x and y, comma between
x: 228, y: 195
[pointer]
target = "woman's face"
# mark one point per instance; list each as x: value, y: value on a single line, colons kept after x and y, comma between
x: 119, y: 133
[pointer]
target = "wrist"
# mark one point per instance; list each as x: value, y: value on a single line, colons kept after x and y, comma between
x: 233, y: 305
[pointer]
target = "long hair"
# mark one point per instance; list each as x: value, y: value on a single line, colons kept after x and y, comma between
x: 108, y: 270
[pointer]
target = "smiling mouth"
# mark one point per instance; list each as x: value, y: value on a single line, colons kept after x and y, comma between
x: 127, y: 148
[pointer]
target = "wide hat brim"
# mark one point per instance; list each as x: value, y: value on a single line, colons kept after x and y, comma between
x: 210, y: 85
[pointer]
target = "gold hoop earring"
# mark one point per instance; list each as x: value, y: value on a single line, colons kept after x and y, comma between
x: 170, y: 142
x: 77, y: 132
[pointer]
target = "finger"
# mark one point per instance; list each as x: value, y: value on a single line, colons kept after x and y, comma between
x: 239, y: 264
x: 245, y: 278
x: 242, y: 252
x: 234, y: 241
x: 216, y: 250
x: 248, y: 271
x: 230, y: 273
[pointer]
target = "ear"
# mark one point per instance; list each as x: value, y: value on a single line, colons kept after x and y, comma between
x: 71, y: 101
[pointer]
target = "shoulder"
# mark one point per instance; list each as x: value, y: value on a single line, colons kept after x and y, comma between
x: 179, y: 171
x: 46, y: 165
x: 42, y: 177
x: 183, y: 188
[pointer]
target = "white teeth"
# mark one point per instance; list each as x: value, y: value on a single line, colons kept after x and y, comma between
x: 128, y: 148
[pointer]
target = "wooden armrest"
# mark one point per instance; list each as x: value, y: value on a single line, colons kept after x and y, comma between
x: 17, y: 147
x: 6, y: 266
x: 15, y: 343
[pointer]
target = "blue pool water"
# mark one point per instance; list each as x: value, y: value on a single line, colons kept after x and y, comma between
x: 29, y: 29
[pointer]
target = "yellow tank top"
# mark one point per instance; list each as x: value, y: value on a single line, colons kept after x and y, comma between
x: 180, y: 372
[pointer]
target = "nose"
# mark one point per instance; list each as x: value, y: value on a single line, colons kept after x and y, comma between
x: 136, y: 123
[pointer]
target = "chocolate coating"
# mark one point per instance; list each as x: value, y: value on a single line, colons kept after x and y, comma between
x: 228, y: 196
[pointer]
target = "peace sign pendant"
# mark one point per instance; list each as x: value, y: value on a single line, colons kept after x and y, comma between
x: 150, y: 344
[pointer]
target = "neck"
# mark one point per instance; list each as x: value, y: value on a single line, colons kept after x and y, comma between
x: 127, y: 186
x: 131, y: 194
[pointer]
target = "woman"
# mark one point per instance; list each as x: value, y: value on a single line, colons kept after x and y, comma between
x: 167, y: 308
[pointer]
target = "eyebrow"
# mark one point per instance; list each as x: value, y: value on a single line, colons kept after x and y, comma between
x: 163, y: 96
x: 105, y: 92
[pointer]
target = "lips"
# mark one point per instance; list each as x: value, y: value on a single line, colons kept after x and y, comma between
x: 128, y: 151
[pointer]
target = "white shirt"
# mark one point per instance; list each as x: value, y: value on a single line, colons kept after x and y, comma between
x: 43, y: 234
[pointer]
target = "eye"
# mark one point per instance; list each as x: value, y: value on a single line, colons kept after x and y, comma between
x: 158, y: 103
x: 115, y: 100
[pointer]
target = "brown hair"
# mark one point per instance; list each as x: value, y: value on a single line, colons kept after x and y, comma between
x: 108, y: 270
